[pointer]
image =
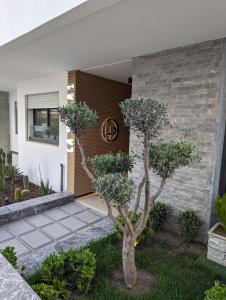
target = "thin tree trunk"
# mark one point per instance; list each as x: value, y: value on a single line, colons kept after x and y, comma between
x: 128, y: 262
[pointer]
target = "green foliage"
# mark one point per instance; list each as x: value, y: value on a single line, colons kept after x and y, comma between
x: 46, y: 291
x: 112, y: 163
x: 45, y: 188
x: 220, y: 208
x: 189, y: 224
x: 74, y: 269
x: 156, y: 219
x: 7, y: 171
x: 10, y: 254
x: 79, y: 117
x: 218, y: 292
x: 19, y: 194
x: 115, y: 188
x: 26, y: 182
x: 107, y: 256
x: 145, y: 116
x: 165, y: 158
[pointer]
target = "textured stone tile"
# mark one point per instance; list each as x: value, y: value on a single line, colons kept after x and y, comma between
x: 73, y: 223
x: 88, y: 217
x: 39, y: 220
x: 4, y: 235
x: 56, y: 230
x: 73, y: 208
x: 19, y: 227
x: 12, y: 285
x: 56, y: 214
x: 19, y: 247
x: 35, y: 239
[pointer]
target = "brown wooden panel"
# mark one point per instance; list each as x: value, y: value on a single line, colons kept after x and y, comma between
x: 103, y: 95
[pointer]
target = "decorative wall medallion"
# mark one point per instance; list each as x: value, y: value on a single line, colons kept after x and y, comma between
x: 109, y: 130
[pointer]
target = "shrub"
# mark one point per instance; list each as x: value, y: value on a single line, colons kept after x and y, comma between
x: 156, y: 218
x: 112, y: 163
x: 10, y: 254
x: 45, y: 188
x: 189, y: 224
x: 74, y: 269
x: 220, y: 208
x: 46, y: 291
x: 217, y: 292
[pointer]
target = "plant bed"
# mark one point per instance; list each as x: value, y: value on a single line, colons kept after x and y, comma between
x: 217, y: 244
x: 8, y: 197
x: 176, y: 274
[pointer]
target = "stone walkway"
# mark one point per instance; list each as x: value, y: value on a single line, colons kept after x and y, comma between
x: 69, y: 226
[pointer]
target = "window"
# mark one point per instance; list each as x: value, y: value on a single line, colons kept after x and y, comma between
x: 43, y: 118
x: 16, y: 117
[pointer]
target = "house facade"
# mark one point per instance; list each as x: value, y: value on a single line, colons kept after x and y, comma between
x: 74, y: 57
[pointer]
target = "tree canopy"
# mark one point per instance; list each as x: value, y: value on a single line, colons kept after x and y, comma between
x: 79, y: 117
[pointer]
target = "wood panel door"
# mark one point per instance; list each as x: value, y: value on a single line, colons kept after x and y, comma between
x: 104, y: 96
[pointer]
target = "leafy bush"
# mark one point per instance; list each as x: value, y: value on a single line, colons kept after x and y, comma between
x: 156, y: 218
x: 145, y: 116
x: 217, y: 292
x: 74, y: 269
x: 112, y: 163
x: 116, y: 188
x: 46, y: 291
x: 220, y: 208
x: 10, y: 254
x: 189, y: 224
x: 165, y: 158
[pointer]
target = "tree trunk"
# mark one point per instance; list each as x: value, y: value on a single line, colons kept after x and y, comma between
x: 128, y: 262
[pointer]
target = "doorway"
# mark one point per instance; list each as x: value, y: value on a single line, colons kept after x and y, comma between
x: 109, y: 134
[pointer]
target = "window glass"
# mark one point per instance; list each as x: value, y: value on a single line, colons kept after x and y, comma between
x: 44, y: 126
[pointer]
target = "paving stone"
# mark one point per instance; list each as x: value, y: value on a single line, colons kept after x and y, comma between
x: 4, y: 235
x: 19, y: 227
x: 56, y: 230
x: 56, y: 214
x: 19, y: 247
x: 88, y: 217
x: 35, y: 239
x: 39, y: 220
x: 73, y: 208
x: 72, y: 223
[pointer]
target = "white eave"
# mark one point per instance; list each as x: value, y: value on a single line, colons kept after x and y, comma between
x: 107, y: 32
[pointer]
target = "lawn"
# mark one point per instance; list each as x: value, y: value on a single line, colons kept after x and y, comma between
x: 178, y: 275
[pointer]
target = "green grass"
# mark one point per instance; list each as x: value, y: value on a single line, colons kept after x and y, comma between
x: 178, y: 276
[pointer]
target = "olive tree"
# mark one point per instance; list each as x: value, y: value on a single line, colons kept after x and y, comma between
x: 147, y: 118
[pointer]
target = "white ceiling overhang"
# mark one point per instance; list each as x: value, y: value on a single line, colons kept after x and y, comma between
x: 106, y: 32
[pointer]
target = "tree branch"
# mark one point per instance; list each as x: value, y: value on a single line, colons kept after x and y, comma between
x: 146, y: 174
x: 144, y: 217
x: 115, y: 221
x: 127, y: 220
x: 159, y: 191
x: 84, y: 162
x: 139, y: 190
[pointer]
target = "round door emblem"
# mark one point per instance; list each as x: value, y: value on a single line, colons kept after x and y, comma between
x: 110, y: 130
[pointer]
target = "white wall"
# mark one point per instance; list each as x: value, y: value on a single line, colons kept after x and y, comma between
x: 33, y: 155
x: 18, y: 17
x: 13, y: 135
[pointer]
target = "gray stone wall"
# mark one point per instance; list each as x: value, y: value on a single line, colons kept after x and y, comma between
x: 191, y: 81
x: 4, y: 120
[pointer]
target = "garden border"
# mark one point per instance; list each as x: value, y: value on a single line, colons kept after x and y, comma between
x: 17, y: 211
